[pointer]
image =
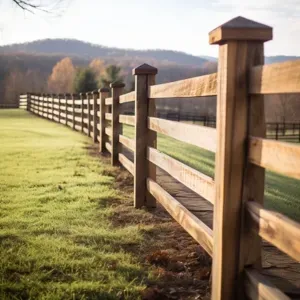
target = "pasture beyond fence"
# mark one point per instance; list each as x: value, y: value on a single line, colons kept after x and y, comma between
x: 240, y: 221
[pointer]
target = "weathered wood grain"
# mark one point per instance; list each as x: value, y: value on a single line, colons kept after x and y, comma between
x: 276, y: 156
x: 126, y: 163
x: 258, y: 287
x: 193, y: 87
x: 129, y: 143
x: 276, y: 228
x: 129, y: 97
x: 195, y: 227
x: 129, y: 120
x: 196, y: 181
x: 201, y: 136
x: 276, y: 78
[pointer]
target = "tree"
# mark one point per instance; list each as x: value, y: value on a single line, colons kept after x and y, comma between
x: 62, y: 77
x: 112, y: 74
x: 85, y: 81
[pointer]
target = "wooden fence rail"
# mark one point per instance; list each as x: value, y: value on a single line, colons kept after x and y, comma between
x: 239, y: 141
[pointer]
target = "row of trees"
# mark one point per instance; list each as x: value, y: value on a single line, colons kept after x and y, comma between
x: 65, y: 78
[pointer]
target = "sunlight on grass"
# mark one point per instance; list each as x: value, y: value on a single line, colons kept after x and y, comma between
x: 56, y: 240
x: 281, y: 193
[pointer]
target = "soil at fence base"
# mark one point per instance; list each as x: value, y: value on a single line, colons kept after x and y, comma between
x: 181, y: 268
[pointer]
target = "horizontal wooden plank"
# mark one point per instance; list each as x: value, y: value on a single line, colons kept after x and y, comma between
x: 70, y: 117
x: 85, y: 111
x: 77, y: 110
x: 78, y: 127
x: 78, y: 119
x: 129, y: 120
x: 194, y: 180
x: 108, y: 101
x: 258, y: 287
x: 276, y: 78
x: 78, y: 102
x: 129, y: 143
x: 195, y: 227
x: 275, y: 228
x: 70, y: 109
x: 108, y: 147
x: 108, y: 131
x: 55, y: 119
x: 56, y: 112
x: 70, y: 124
x: 55, y: 106
x: 129, y: 97
x: 85, y: 120
x: 276, y: 156
x: 85, y: 130
x: 201, y: 136
x: 63, y: 115
x: 126, y: 163
x: 108, y: 116
x: 193, y: 87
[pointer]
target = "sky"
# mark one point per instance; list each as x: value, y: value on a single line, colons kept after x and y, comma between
x: 181, y: 25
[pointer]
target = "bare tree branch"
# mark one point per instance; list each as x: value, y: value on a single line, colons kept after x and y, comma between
x: 32, y: 6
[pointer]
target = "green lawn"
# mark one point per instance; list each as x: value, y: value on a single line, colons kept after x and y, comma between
x: 57, y: 240
x: 281, y: 193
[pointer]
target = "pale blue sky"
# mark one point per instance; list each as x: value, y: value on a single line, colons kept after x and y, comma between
x: 153, y: 24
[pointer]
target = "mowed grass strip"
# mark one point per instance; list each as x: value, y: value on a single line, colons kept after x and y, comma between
x: 56, y: 236
x: 282, y: 193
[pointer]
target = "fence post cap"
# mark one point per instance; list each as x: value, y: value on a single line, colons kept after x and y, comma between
x: 104, y: 90
x: 95, y: 92
x: 144, y: 69
x: 60, y: 95
x: 117, y: 84
x: 239, y: 29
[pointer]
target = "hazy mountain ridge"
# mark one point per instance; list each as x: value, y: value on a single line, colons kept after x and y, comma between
x: 85, y: 50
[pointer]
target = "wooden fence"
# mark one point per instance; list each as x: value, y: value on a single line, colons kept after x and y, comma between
x: 242, y: 152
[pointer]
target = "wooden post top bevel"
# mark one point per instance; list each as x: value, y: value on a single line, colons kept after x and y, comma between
x: 240, y: 29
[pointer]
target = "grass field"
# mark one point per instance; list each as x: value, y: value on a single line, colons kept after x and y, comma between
x: 281, y: 193
x: 56, y: 237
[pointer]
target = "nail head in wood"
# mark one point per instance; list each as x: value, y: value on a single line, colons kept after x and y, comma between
x: 241, y: 28
x: 144, y: 69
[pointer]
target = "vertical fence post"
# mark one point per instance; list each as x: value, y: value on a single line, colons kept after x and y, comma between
x: 88, y: 113
x: 277, y: 129
x: 240, y: 40
x: 73, y: 111
x: 67, y: 97
x: 53, y: 96
x: 144, y: 77
x: 28, y: 101
x: 82, y: 110
x: 95, y: 116
x: 59, y: 108
x: 103, y: 95
x: 117, y: 88
x: 38, y: 103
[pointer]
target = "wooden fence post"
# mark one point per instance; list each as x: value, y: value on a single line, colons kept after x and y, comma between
x: 73, y: 111
x: 59, y: 95
x: 28, y: 101
x: 88, y: 94
x: 104, y: 92
x: 144, y: 77
x: 241, y: 40
x: 67, y: 97
x: 52, y: 107
x: 38, y: 103
x: 82, y: 110
x: 117, y: 89
x: 95, y: 116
